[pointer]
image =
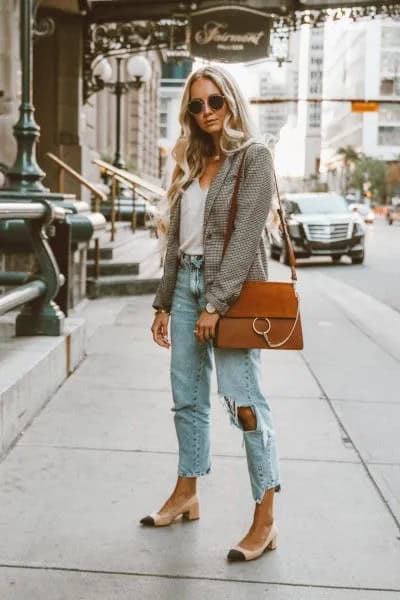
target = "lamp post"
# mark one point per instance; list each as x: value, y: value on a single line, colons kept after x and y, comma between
x: 26, y: 175
x: 131, y: 73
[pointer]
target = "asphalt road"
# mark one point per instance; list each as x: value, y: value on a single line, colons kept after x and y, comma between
x: 379, y: 276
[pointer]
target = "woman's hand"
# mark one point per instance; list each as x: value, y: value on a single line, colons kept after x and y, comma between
x: 205, y: 326
x: 159, y: 329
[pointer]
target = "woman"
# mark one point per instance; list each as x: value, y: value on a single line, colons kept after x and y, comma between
x: 198, y: 286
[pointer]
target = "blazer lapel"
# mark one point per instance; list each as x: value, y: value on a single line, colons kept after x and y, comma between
x: 216, y: 185
x: 213, y: 191
x: 175, y: 216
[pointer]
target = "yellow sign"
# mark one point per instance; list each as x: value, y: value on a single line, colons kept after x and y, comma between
x: 364, y: 106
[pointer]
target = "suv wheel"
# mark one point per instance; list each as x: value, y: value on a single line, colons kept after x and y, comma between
x: 357, y: 260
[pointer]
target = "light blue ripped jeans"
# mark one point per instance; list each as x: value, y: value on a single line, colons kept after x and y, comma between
x: 239, y: 383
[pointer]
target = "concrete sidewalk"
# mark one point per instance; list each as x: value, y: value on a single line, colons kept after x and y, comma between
x: 102, y: 454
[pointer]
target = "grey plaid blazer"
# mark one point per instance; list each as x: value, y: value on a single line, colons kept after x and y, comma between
x: 246, y: 255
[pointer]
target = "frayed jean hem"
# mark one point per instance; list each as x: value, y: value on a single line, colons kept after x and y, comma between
x: 277, y: 487
x: 198, y: 474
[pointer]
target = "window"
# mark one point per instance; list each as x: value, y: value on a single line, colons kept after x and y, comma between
x: 389, y: 136
x: 390, y: 87
x: 390, y: 63
x: 390, y: 37
x: 389, y: 113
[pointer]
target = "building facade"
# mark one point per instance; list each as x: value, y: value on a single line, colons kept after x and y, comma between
x: 10, y: 85
x: 362, y: 61
x: 74, y: 130
x: 274, y: 83
x: 279, y: 80
x: 174, y: 75
x: 139, y: 118
x: 298, y: 151
x: 311, y: 61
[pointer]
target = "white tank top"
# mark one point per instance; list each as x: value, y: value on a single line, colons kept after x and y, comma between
x: 193, y: 202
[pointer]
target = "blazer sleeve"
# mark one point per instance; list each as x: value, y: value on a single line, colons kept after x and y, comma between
x: 165, y: 290
x: 253, y: 203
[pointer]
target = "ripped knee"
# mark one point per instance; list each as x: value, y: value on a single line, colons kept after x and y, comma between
x: 247, y: 417
x: 243, y: 417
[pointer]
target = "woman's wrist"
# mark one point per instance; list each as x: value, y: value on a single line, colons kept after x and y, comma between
x: 159, y: 310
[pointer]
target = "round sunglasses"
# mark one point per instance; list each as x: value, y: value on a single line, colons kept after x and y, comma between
x: 214, y: 101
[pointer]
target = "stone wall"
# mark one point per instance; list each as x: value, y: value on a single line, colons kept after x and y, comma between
x: 143, y: 124
x: 67, y: 126
x: 9, y: 78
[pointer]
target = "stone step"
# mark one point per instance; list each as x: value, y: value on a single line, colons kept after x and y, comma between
x: 121, y: 285
x: 124, y: 240
x: 114, y: 268
x: 32, y: 369
x: 106, y: 253
x: 7, y: 325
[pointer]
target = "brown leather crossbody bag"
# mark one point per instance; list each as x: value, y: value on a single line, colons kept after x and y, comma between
x: 267, y: 313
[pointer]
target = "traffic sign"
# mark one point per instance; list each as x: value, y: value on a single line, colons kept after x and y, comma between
x: 364, y: 106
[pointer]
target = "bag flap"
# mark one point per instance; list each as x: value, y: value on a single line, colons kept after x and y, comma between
x: 265, y: 299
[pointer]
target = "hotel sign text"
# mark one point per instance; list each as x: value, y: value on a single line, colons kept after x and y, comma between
x: 232, y: 34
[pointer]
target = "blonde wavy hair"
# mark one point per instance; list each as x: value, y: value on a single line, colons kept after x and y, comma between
x: 194, y: 146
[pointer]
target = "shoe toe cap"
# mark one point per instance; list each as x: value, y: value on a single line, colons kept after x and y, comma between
x: 147, y: 521
x: 235, y: 555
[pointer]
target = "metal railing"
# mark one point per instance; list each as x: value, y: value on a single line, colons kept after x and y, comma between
x: 40, y: 314
x: 30, y: 210
x: 139, y: 186
x: 98, y: 196
x: 64, y: 168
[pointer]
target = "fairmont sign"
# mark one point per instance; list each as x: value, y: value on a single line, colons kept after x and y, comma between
x: 231, y: 34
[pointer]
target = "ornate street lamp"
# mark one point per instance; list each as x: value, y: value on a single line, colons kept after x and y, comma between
x: 25, y: 175
x: 131, y: 73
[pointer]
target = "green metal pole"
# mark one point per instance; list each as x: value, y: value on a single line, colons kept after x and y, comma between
x: 118, y: 91
x: 26, y: 175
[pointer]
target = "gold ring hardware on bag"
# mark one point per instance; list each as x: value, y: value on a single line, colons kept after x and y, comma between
x: 262, y: 319
x: 266, y: 332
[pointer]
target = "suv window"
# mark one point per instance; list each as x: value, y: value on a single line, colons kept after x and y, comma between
x: 317, y: 205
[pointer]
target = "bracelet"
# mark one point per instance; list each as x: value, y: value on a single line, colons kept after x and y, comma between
x: 162, y: 310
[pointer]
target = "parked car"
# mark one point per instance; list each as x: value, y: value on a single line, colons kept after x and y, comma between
x: 321, y: 224
x: 393, y: 214
x: 364, y: 210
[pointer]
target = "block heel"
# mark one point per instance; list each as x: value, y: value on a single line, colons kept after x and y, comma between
x: 273, y: 544
x: 190, y: 511
x: 193, y: 513
x: 237, y: 553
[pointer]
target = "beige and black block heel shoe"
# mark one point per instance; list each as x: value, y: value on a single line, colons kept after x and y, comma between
x: 237, y: 553
x: 190, y: 511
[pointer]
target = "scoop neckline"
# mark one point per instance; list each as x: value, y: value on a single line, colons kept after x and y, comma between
x: 201, y: 188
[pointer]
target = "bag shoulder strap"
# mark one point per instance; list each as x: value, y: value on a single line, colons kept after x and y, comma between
x: 232, y: 215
